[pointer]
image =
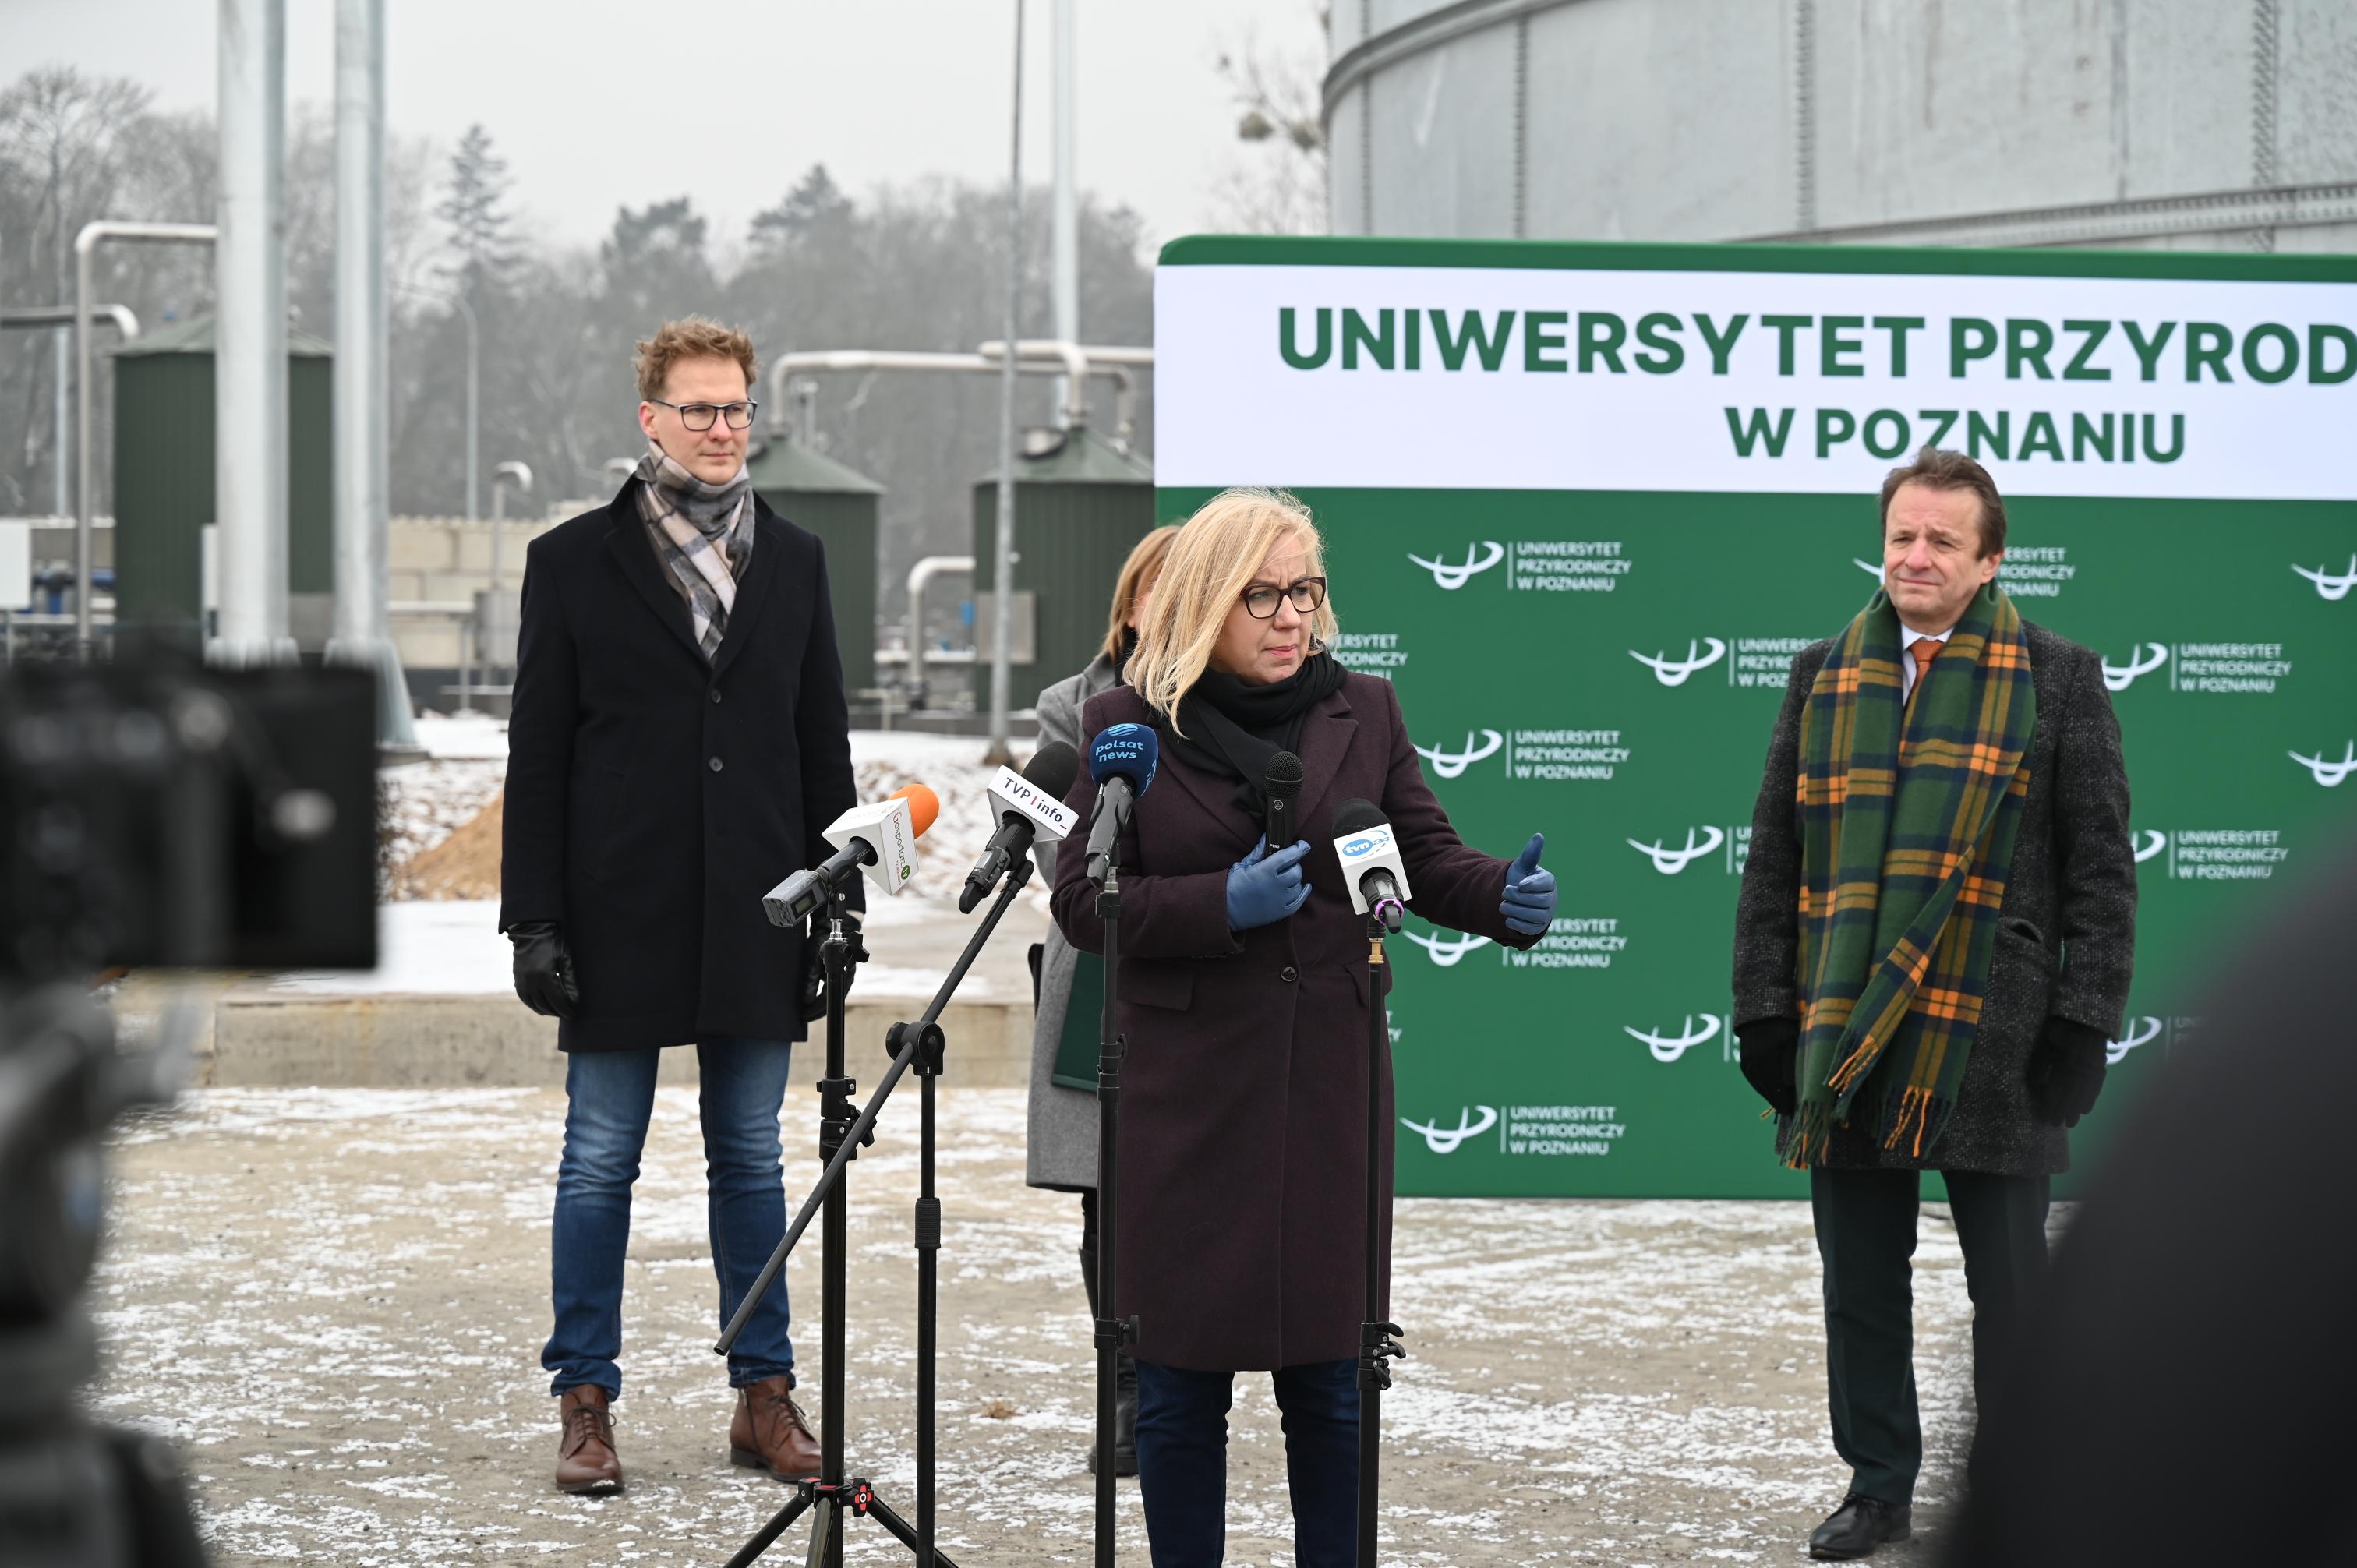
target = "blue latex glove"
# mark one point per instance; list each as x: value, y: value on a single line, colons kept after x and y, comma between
x: 1264, y: 889
x: 1529, y: 904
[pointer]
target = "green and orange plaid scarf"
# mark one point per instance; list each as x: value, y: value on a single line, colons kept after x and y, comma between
x: 1907, y: 815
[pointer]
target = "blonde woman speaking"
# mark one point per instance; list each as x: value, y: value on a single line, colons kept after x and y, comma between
x: 1242, y: 994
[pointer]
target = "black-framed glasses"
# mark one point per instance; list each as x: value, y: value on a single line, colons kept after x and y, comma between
x: 1307, y: 594
x: 700, y: 415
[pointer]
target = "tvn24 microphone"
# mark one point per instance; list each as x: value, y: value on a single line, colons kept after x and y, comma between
x: 881, y: 836
x: 1121, y: 760
x: 1029, y: 805
x: 1371, y: 862
x: 1281, y: 782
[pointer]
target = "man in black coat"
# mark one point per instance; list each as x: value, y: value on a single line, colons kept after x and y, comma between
x: 679, y: 742
x: 2053, y: 992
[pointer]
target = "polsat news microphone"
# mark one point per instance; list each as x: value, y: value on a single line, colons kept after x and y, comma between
x: 880, y: 837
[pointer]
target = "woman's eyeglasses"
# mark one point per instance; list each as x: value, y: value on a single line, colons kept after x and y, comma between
x: 699, y: 416
x: 1307, y: 595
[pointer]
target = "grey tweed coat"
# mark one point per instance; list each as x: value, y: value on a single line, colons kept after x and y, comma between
x: 2066, y: 932
x: 1062, y: 1152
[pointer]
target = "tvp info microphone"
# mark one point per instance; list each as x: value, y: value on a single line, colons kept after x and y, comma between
x: 1371, y: 862
x: 1281, y: 783
x: 1028, y: 805
x: 1121, y: 760
x: 881, y: 836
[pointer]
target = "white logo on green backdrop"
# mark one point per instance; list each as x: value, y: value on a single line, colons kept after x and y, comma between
x: 1670, y: 1047
x: 1453, y: 577
x: 1674, y: 672
x: 1670, y: 862
x: 1446, y: 1139
x: 2148, y: 657
x: 2331, y: 585
x: 2331, y: 774
x: 1452, y: 764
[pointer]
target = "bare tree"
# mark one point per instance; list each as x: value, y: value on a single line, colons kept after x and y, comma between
x: 1275, y: 182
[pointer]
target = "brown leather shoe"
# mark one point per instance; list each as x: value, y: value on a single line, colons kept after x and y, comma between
x: 586, y: 1459
x: 770, y: 1433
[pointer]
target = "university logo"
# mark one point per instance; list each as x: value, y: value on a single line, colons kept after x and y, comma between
x: 2141, y: 1032
x: 1871, y: 568
x: 1444, y: 1140
x: 1451, y: 576
x: 2331, y: 585
x: 1670, y: 862
x: 1670, y: 1047
x: 1446, y: 947
x: 1450, y: 764
x: 1674, y: 672
x: 2148, y: 657
x: 2148, y: 843
x: 2329, y: 774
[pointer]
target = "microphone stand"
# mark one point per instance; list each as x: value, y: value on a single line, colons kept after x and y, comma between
x: 1378, y: 1340
x: 1113, y: 1334
x: 919, y: 1047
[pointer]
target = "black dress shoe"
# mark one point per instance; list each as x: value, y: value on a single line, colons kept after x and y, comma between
x: 1857, y: 1527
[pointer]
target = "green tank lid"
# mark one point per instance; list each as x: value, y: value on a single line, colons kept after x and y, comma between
x: 1081, y: 458
x: 194, y: 336
x: 789, y: 467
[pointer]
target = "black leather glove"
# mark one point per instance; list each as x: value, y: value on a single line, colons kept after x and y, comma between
x: 544, y: 969
x: 1770, y: 1058
x: 2066, y: 1072
x: 814, y: 965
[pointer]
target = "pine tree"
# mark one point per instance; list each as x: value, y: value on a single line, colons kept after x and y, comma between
x: 475, y: 212
x: 815, y: 204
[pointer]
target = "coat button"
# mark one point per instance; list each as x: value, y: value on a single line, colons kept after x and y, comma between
x: 714, y: 765
x: 1289, y: 974
x: 715, y: 694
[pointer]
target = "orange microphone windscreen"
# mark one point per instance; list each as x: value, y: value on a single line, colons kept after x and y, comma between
x: 923, y: 806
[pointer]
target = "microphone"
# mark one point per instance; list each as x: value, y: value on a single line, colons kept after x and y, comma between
x: 1282, y: 784
x: 1030, y: 804
x: 1121, y: 760
x: 1371, y: 862
x: 881, y: 837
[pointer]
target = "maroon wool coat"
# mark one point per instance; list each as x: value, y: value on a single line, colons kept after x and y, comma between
x: 1242, y: 1218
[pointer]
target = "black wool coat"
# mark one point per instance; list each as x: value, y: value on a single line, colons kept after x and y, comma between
x: 1241, y: 1211
x: 2065, y: 936
x: 651, y: 797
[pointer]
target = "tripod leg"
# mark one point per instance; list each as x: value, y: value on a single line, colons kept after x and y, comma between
x: 782, y: 1521
x: 825, y: 1538
x: 898, y: 1527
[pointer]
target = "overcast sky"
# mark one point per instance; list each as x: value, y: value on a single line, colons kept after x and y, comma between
x: 600, y: 104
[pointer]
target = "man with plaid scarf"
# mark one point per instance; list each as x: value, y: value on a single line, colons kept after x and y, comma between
x: 1932, y: 949
x: 679, y: 741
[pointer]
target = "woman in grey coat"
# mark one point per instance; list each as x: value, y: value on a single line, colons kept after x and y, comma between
x: 1064, y: 1122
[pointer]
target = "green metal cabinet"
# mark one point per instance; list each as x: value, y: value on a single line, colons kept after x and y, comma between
x: 1079, y: 509
x: 164, y: 471
x: 839, y: 504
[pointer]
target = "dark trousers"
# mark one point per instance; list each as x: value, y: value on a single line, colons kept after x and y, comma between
x: 1182, y: 1461
x: 1866, y: 1235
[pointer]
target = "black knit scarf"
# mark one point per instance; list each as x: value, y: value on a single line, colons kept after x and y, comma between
x: 1234, y: 726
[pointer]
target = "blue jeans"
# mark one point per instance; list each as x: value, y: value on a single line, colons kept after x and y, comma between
x: 610, y: 1097
x: 1182, y: 1461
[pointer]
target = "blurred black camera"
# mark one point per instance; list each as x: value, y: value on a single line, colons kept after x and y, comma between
x: 157, y: 816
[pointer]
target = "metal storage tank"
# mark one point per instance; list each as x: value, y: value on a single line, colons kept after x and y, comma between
x: 2196, y: 125
x: 1080, y: 504
x: 164, y: 479
x: 839, y: 504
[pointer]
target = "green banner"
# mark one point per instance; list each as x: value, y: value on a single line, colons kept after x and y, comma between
x: 1605, y: 664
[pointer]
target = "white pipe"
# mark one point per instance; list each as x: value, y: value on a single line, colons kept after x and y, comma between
x: 1064, y: 249
x: 822, y: 360
x: 519, y: 475
x: 125, y: 319
x: 250, y: 352
x: 1002, y: 626
x: 86, y: 242
x: 927, y: 568
x: 363, y: 633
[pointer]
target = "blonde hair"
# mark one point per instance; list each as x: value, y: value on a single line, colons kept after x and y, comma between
x: 1211, y: 559
x: 1145, y: 563
x: 691, y: 337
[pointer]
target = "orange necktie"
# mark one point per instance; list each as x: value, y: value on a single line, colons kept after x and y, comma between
x: 1925, y: 649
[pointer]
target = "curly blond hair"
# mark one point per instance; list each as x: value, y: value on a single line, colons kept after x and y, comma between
x: 691, y: 337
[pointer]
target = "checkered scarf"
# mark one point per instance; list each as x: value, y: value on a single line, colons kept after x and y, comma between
x: 703, y: 535
x: 1907, y: 815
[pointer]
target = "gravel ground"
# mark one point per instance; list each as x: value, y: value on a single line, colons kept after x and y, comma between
x: 334, y: 1300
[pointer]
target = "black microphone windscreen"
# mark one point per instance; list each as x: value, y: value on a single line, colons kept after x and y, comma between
x: 1355, y: 815
x: 1053, y: 768
x: 1283, y: 775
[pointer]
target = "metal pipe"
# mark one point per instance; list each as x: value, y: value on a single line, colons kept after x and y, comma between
x: 85, y: 243
x: 813, y: 361
x: 520, y: 475
x: 1067, y: 355
x: 1064, y: 247
x: 363, y: 634
x: 124, y: 318
x: 250, y: 352
x: 619, y: 469
x: 927, y: 568
x: 1002, y: 624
